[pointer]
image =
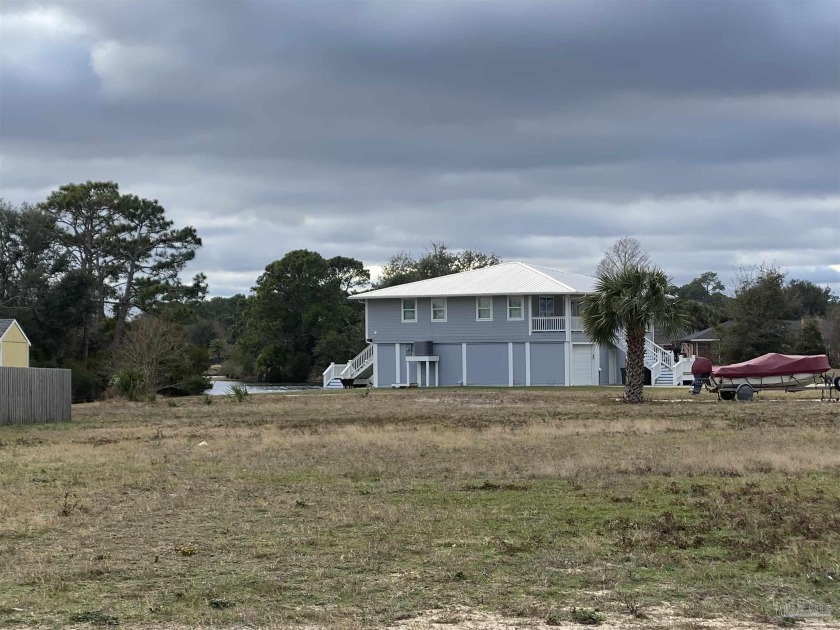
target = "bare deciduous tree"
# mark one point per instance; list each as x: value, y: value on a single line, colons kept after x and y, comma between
x: 154, y: 348
x: 625, y: 253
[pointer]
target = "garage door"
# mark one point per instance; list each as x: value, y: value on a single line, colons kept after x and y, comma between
x: 583, y: 364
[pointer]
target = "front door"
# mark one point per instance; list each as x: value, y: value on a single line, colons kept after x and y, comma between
x: 583, y: 364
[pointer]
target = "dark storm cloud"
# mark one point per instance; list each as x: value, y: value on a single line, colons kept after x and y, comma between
x: 543, y: 131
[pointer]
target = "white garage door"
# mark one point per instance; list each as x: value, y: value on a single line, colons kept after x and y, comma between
x: 583, y: 364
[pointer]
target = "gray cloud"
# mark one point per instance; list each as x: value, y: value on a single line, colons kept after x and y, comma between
x: 543, y: 131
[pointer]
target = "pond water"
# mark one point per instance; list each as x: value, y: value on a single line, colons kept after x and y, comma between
x: 221, y: 387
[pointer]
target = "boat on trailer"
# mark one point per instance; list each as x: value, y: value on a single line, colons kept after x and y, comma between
x: 772, y: 371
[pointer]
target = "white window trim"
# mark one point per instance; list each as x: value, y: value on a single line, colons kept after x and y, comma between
x: 483, y: 319
x: 432, y: 310
x: 521, y: 308
x: 402, y: 311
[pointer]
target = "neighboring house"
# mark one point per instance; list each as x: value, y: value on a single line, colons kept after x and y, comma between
x: 14, y: 345
x: 703, y: 343
x: 505, y: 325
x: 706, y: 343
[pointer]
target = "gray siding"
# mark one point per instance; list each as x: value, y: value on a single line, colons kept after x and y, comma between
x: 385, y: 325
x: 450, y: 364
x: 518, y: 364
x: 620, y: 362
x: 487, y: 364
x: 409, y: 376
x: 547, y: 363
x: 604, y: 377
x: 386, y: 370
x: 421, y: 378
x: 487, y: 344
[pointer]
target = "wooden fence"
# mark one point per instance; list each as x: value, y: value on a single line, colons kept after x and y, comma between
x: 29, y: 395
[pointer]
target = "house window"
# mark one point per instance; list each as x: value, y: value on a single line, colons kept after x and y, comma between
x: 546, y: 306
x: 484, y: 309
x: 409, y: 310
x: 576, y: 308
x: 515, y: 310
x: 438, y: 309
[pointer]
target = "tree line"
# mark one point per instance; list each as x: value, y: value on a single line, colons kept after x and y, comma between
x: 80, y: 268
x: 762, y: 312
x: 631, y: 295
x: 94, y: 278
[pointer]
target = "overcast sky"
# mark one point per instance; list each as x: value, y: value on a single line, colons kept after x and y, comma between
x: 541, y: 131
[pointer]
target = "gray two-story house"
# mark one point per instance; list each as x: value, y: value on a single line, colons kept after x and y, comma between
x: 512, y: 324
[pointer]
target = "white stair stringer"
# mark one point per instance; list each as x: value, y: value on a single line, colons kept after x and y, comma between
x: 330, y: 376
x: 658, y: 360
x: 359, y: 364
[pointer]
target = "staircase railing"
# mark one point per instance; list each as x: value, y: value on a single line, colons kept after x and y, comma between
x: 358, y: 364
x: 655, y: 370
x: 655, y: 355
x: 663, y: 356
x: 683, y: 368
x: 332, y: 372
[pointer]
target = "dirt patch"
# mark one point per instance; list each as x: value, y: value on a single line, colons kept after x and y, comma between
x: 461, y: 618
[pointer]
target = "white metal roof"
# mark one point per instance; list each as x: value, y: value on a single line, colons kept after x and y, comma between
x: 510, y: 278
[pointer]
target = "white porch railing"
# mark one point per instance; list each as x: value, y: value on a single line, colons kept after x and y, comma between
x: 548, y: 324
x: 358, y: 364
x: 556, y: 324
x: 332, y: 372
x: 682, y: 370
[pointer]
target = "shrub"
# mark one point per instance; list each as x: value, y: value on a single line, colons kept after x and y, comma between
x: 95, y: 617
x: 87, y: 385
x: 586, y: 616
x: 238, y: 392
x: 128, y: 383
x: 190, y: 386
x: 232, y: 369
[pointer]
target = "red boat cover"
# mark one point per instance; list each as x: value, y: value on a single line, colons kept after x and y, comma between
x: 701, y: 366
x: 773, y: 364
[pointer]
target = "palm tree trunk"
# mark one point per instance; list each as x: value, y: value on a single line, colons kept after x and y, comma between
x: 635, y: 367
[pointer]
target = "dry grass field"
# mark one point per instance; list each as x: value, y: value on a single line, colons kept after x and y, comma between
x: 442, y: 508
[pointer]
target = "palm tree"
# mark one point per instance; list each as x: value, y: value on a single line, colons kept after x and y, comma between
x: 632, y: 299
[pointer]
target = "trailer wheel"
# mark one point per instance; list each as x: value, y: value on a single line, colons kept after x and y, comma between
x: 837, y: 383
x: 727, y: 395
x: 744, y: 391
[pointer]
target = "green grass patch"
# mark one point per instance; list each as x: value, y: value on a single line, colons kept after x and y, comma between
x: 336, y: 509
